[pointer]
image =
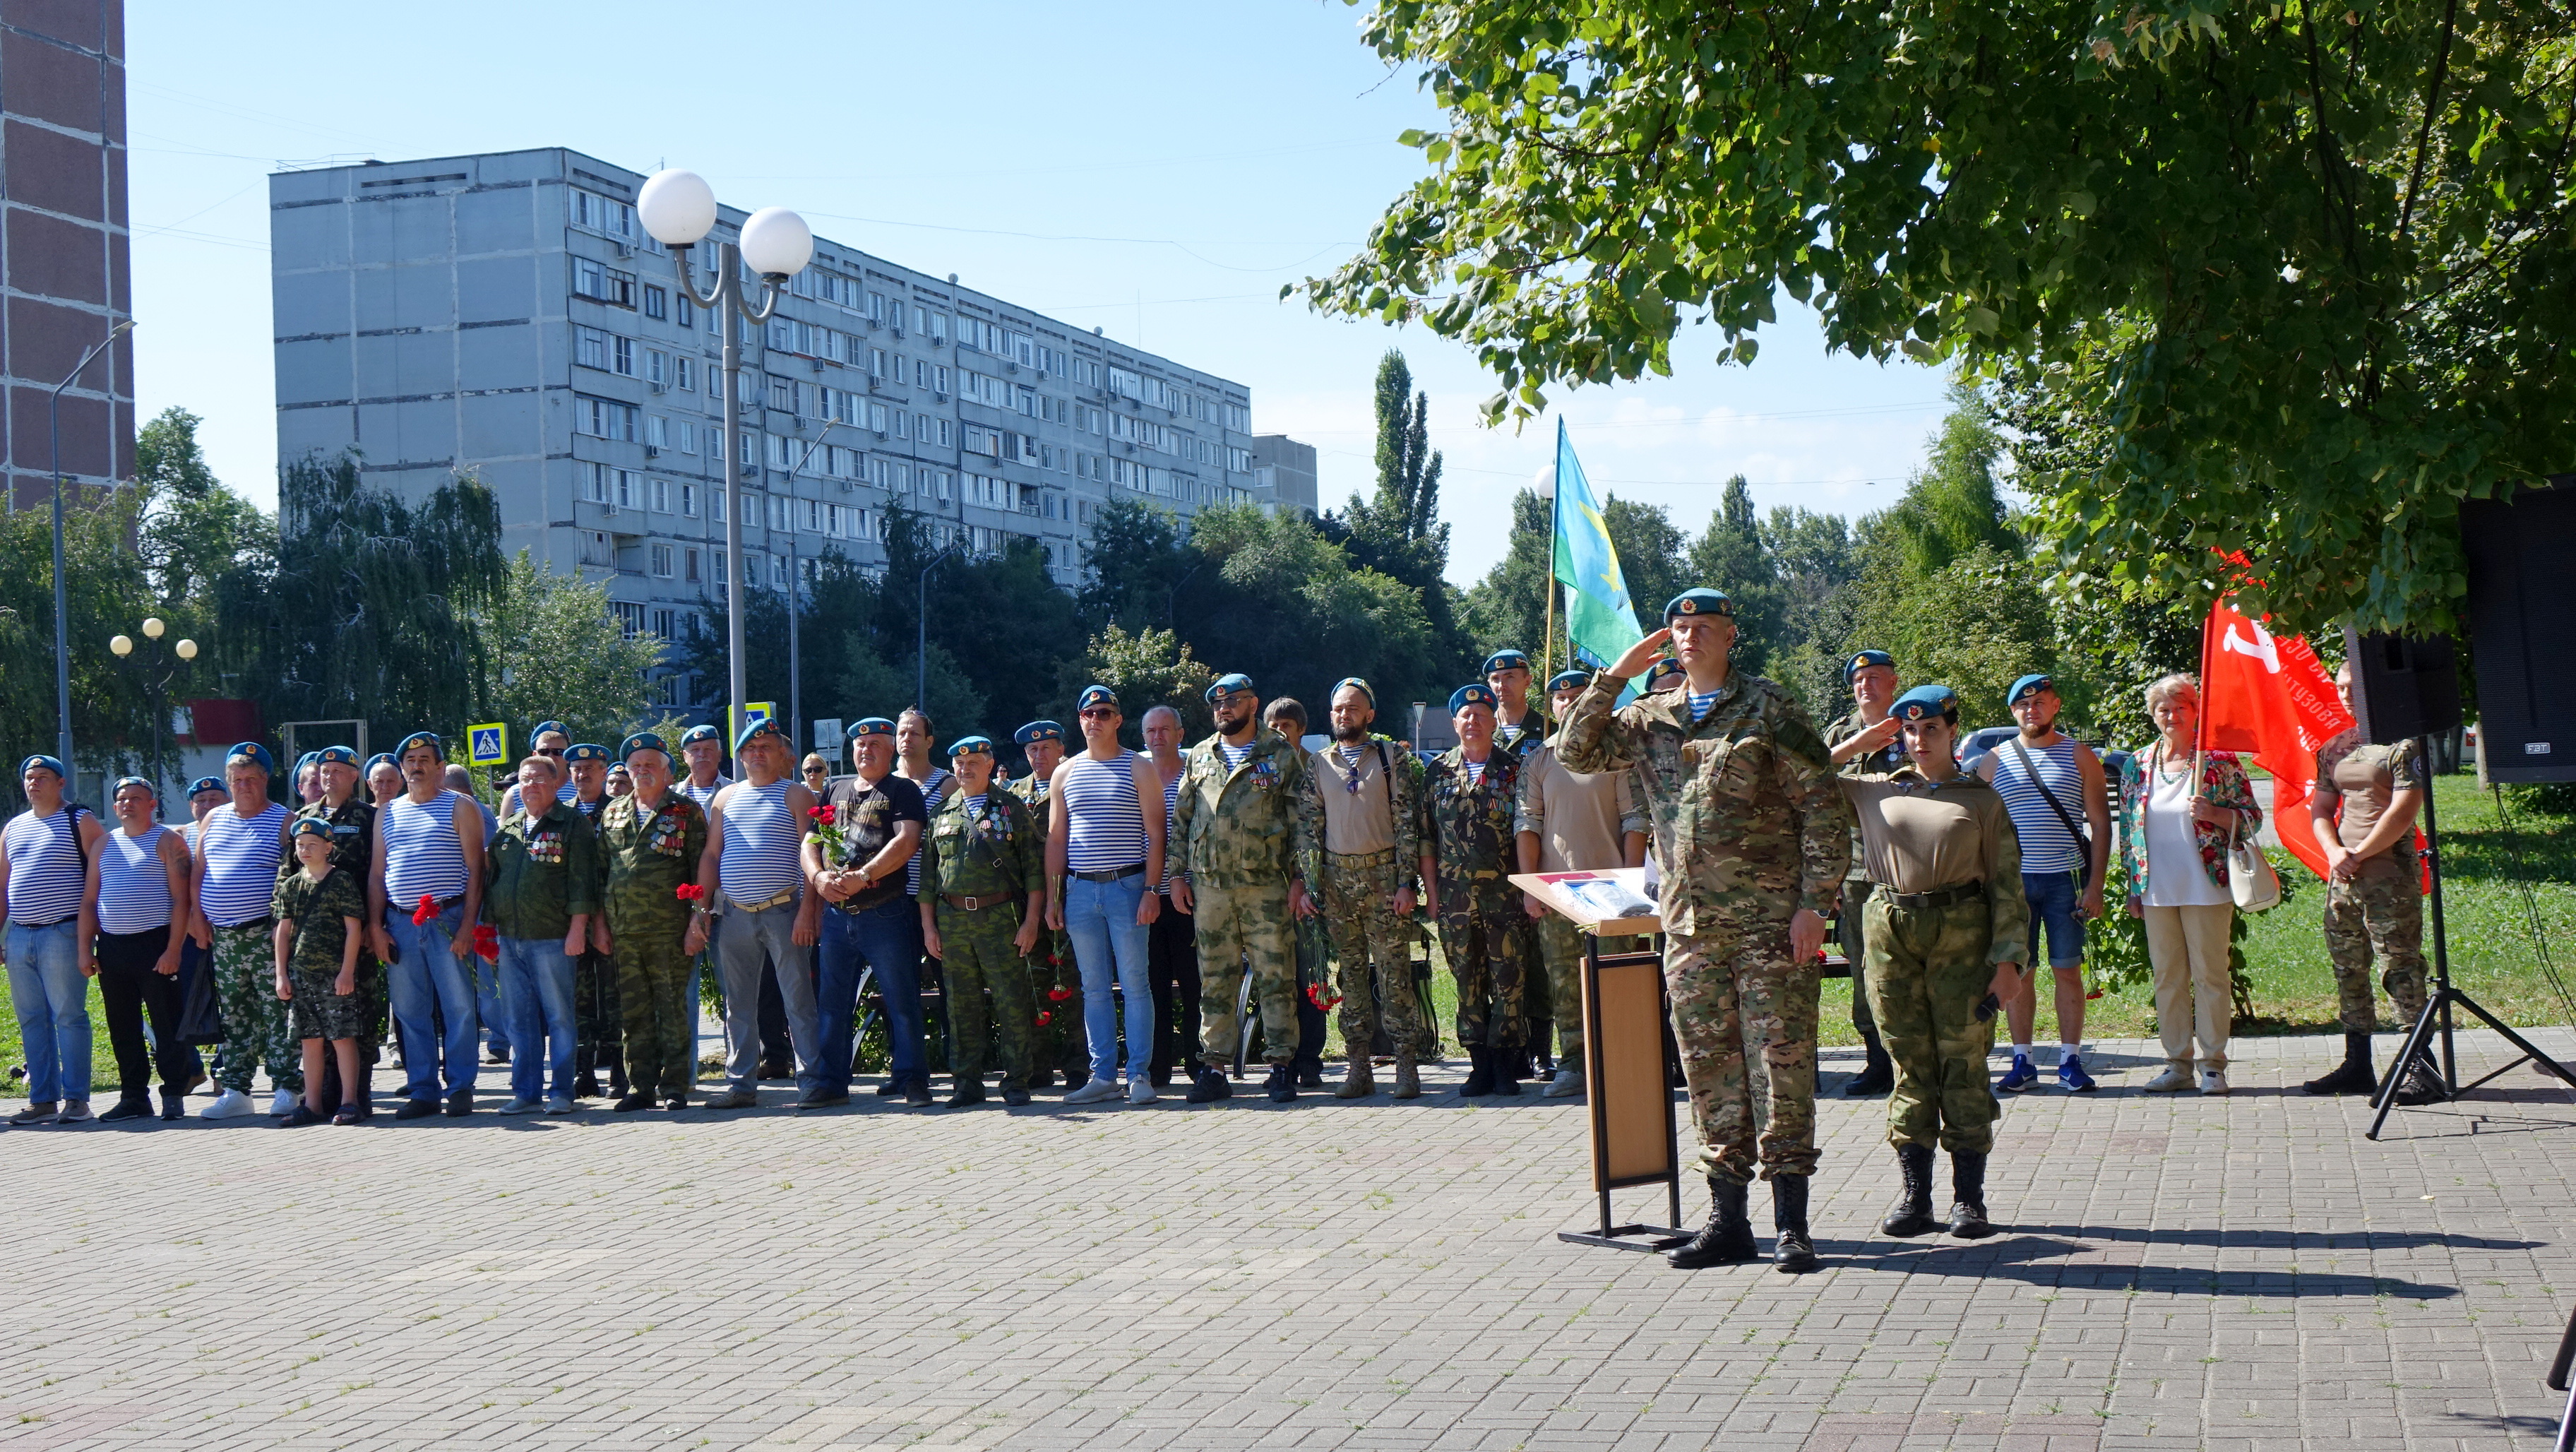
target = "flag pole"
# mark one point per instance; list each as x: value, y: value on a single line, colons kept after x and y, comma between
x: 1547, y: 631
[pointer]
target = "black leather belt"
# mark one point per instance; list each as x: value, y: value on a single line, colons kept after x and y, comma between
x: 1936, y: 898
x: 964, y: 903
x: 1108, y: 874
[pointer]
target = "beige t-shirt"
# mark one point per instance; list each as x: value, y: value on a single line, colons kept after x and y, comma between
x: 1581, y: 819
x: 1355, y: 822
x: 1918, y: 837
x: 2368, y: 778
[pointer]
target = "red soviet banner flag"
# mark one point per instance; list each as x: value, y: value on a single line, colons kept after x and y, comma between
x: 2268, y: 695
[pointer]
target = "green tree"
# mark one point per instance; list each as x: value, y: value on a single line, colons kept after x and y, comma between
x: 1732, y: 555
x: 1508, y: 607
x: 558, y: 653
x: 1813, y: 561
x: 108, y: 592
x: 1397, y: 531
x: 2311, y: 262
x: 1147, y: 670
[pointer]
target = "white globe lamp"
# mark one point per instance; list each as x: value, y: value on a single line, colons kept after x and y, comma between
x: 677, y: 207
x: 776, y: 242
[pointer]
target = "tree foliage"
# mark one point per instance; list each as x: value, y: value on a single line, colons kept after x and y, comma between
x: 558, y: 653
x: 2310, y: 263
x: 1397, y: 531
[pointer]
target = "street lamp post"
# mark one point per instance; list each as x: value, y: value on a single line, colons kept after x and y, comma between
x: 921, y: 625
x: 156, y: 688
x: 679, y: 209
x: 62, y: 597
x: 795, y: 578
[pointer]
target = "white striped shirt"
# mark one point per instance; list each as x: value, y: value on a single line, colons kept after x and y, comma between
x: 45, y: 873
x: 133, y: 885
x: 933, y: 792
x: 2046, y: 845
x: 1107, y: 826
x: 423, y: 857
x: 241, y: 855
x: 758, y: 859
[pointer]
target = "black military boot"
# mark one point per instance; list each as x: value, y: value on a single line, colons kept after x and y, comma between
x: 1791, y: 1252
x: 1727, y: 1238
x: 1511, y: 1066
x: 1968, y: 1195
x: 2423, y: 1083
x: 2354, y: 1075
x: 1480, y: 1074
x: 1283, y: 1083
x: 1913, y: 1214
x: 1877, y: 1076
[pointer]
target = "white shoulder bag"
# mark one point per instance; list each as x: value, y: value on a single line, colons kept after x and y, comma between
x: 2250, y: 878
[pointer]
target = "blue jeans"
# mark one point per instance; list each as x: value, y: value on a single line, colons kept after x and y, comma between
x: 2052, y: 897
x: 52, y: 997
x: 1100, y: 918
x: 886, y: 938
x: 498, y: 1022
x: 536, y: 994
x: 744, y: 940
x: 427, y: 979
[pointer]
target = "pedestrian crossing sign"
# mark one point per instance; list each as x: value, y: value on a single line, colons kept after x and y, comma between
x: 488, y: 745
x: 755, y: 711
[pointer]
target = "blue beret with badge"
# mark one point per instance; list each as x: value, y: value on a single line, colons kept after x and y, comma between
x: 1095, y: 695
x: 123, y: 782
x: 252, y: 750
x: 49, y: 763
x: 1038, y: 731
x: 429, y: 739
x: 1352, y: 683
x: 871, y: 726
x: 1661, y: 674
x: 337, y: 756
x: 2036, y: 681
x: 550, y: 728
x: 381, y: 758
x: 765, y: 726
x: 206, y: 784
x: 1700, y: 600
x: 703, y: 731
x: 1465, y: 696
x: 309, y: 827
x: 1506, y: 659
x: 640, y: 741
x: 1568, y: 680
x: 593, y: 751
x: 1227, y: 685
x: 1863, y: 659
x: 307, y: 759
x: 1925, y: 701
x: 971, y: 746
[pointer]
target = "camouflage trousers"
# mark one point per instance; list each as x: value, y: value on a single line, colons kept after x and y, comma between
x: 1848, y: 933
x: 977, y: 958
x: 595, y: 1013
x: 1373, y: 950
x: 1744, y: 1016
x: 2382, y: 918
x: 652, y: 977
x: 1481, y: 934
x: 1928, y: 971
x: 1560, y: 946
x: 256, y: 1026
x: 1236, y: 925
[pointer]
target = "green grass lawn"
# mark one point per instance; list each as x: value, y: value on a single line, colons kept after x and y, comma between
x: 2494, y: 955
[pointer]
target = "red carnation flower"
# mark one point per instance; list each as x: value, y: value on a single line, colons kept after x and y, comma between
x: 825, y: 814
x: 688, y: 892
x: 1043, y: 1016
x: 487, y: 943
x: 428, y: 909
x: 1059, y: 993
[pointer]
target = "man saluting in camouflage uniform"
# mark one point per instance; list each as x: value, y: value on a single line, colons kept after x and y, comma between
x: 1753, y: 840
x: 650, y: 842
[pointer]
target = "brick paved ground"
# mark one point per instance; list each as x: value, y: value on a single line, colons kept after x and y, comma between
x: 2177, y: 1272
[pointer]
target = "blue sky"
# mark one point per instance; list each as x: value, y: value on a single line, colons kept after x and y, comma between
x: 1156, y: 170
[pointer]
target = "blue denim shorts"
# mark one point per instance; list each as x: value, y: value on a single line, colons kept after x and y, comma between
x: 2052, y: 897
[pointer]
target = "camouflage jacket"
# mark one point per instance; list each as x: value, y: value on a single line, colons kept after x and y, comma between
x: 1255, y: 825
x: 1748, y: 824
x: 353, y: 836
x: 320, y: 911
x: 996, y: 850
x: 1467, y: 825
x: 540, y: 872
x: 1535, y: 729
x: 645, y: 856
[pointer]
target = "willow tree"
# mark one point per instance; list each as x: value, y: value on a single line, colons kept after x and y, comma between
x: 2309, y: 263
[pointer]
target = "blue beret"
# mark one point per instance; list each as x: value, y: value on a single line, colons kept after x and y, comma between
x: 765, y: 726
x: 429, y: 739
x: 871, y: 726
x: 1864, y: 658
x: 1506, y: 659
x: 337, y: 755
x: 1356, y: 684
x: 640, y: 741
x: 593, y: 751
x: 1568, y: 680
x: 381, y: 759
x: 965, y: 745
x: 207, y: 784
x: 52, y: 764
x: 1465, y: 696
x: 703, y: 731
x: 308, y: 827
x: 1095, y: 695
x: 1226, y: 685
x: 1924, y: 701
x: 251, y: 749
x: 307, y: 759
x: 123, y: 782
x: 1661, y: 671
x: 1038, y: 731
x: 1699, y: 601
x: 545, y: 727
x: 2036, y: 681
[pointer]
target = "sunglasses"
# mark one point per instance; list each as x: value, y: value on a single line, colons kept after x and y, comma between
x: 1097, y: 713
x: 550, y: 750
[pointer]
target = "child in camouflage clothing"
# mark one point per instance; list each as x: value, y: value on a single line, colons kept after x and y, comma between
x: 321, y: 914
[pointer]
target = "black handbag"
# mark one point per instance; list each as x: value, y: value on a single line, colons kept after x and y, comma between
x: 201, y: 1019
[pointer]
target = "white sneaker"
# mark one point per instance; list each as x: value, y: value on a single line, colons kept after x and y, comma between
x: 2171, y: 1081
x: 1567, y: 1083
x: 2212, y: 1082
x: 283, y: 1102
x: 1141, y: 1091
x: 1094, y: 1092
x: 231, y: 1104
x: 520, y: 1106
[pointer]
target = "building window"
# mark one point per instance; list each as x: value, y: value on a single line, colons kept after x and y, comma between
x: 688, y: 437
x: 684, y: 373
x: 666, y: 621
x: 718, y: 556
x: 630, y: 617
x: 667, y: 690
x: 605, y: 215
x: 604, y: 418
x: 690, y: 560
x: 621, y: 356
x: 661, y: 492
x: 657, y: 432
x: 592, y: 480
x: 630, y: 489
x: 688, y: 317
x: 780, y: 516
x: 602, y: 283
x: 595, y: 549
x: 778, y: 572
x: 657, y: 301
x: 689, y: 501
x: 590, y: 348
x: 657, y: 367
x: 660, y: 557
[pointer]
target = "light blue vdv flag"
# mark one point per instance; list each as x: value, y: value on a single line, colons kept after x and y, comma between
x: 1600, y: 623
